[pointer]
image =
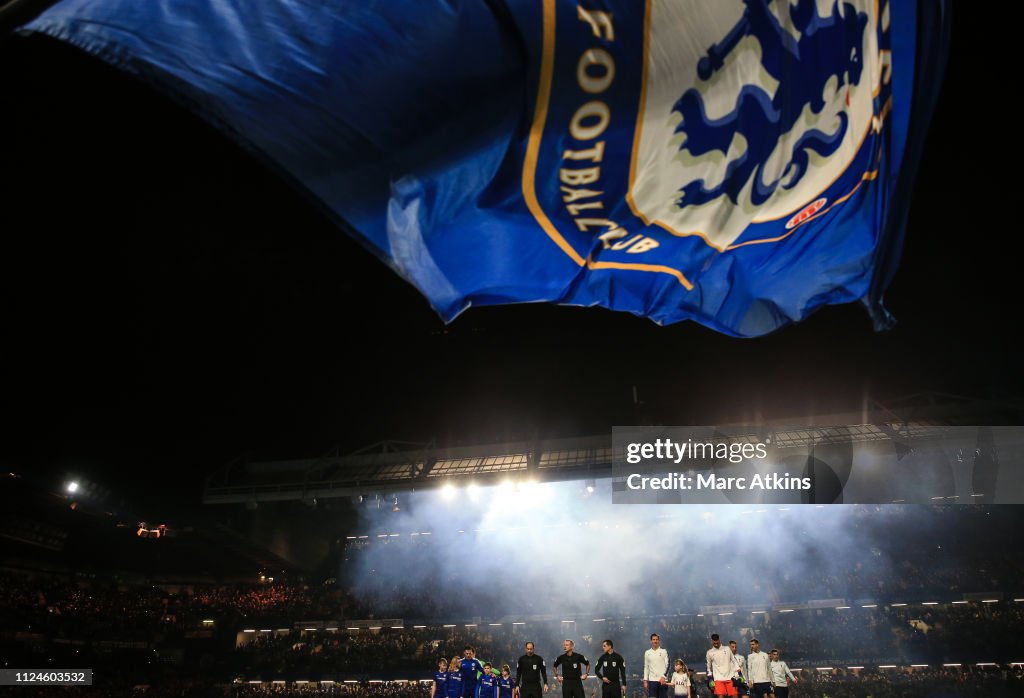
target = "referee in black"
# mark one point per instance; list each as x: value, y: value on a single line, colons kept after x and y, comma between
x: 611, y: 669
x: 575, y: 668
x: 530, y: 674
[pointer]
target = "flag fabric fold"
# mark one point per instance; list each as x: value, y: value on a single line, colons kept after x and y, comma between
x: 740, y: 163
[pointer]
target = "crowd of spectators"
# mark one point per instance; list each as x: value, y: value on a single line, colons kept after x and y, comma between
x: 165, y: 636
x: 387, y: 689
x: 1001, y: 683
x: 59, y: 610
x: 321, y: 654
x: 109, y: 611
x: 926, y: 683
x: 910, y: 568
x: 920, y: 683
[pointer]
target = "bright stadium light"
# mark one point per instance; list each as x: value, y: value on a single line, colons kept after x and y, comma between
x: 72, y: 487
x: 532, y: 494
x: 474, y: 492
x: 591, y: 484
x: 448, y: 492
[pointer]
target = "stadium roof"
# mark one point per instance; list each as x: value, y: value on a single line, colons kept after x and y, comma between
x: 411, y: 468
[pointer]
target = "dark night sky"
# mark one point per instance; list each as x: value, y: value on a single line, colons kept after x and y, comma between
x: 169, y: 304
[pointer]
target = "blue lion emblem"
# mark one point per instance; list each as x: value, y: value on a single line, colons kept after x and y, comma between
x: 828, y: 47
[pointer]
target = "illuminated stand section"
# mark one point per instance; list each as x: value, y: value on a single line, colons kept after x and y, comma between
x: 884, y: 463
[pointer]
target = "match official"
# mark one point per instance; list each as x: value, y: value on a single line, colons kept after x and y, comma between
x: 611, y: 669
x: 531, y: 674
x: 575, y: 668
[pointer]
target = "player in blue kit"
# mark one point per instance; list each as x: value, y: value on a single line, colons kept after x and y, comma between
x: 453, y: 687
x: 488, y: 683
x: 506, y: 684
x: 440, y: 686
x: 470, y: 668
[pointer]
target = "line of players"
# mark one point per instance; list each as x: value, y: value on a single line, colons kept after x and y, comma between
x: 760, y: 674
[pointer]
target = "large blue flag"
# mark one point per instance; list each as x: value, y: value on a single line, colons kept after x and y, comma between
x: 735, y: 162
